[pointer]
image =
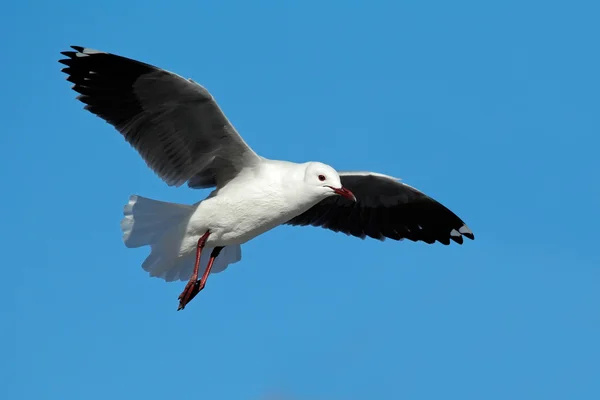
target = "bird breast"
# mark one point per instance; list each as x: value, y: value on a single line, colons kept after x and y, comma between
x: 235, y: 219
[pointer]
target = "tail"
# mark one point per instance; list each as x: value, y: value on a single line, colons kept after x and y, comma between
x: 162, y: 225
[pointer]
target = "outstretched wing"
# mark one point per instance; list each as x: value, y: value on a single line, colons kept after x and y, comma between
x: 385, y: 207
x: 174, y: 123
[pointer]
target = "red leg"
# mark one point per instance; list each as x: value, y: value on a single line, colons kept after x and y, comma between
x: 211, y: 261
x: 196, y: 285
x: 191, y: 289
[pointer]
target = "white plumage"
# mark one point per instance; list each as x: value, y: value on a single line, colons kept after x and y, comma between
x: 162, y: 226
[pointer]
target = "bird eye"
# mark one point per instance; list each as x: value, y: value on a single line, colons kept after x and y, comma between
x: 321, y: 178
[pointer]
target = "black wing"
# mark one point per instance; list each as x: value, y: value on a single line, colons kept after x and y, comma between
x: 174, y: 123
x: 388, y: 208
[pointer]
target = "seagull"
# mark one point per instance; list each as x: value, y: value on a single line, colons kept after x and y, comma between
x: 178, y: 129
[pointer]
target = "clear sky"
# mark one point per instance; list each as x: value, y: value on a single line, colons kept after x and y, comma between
x: 492, y: 108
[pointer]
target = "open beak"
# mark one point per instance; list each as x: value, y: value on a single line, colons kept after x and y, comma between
x: 345, y: 193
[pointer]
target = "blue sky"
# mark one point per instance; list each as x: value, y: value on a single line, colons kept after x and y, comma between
x: 489, y: 107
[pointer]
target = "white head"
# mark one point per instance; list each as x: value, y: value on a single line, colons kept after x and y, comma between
x: 324, y: 181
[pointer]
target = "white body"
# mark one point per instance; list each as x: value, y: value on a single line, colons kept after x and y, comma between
x: 253, y: 202
x: 241, y: 211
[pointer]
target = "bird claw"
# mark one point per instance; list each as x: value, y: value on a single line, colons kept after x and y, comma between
x: 191, y: 290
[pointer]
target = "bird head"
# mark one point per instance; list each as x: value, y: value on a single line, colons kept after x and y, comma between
x: 324, y: 181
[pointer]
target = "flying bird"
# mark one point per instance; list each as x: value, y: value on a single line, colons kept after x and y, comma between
x: 177, y: 127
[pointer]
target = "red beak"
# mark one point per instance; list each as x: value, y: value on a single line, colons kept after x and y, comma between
x: 345, y: 193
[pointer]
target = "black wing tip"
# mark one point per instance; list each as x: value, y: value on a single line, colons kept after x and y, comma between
x: 455, y: 239
x: 72, y: 54
x: 83, y: 51
x: 466, y: 232
x: 78, y: 49
x: 457, y: 234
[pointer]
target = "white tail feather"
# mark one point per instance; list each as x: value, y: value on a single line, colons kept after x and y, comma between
x: 162, y: 225
x: 146, y: 220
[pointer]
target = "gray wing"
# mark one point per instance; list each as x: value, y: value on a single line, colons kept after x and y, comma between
x: 174, y: 123
x: 384, y: 208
